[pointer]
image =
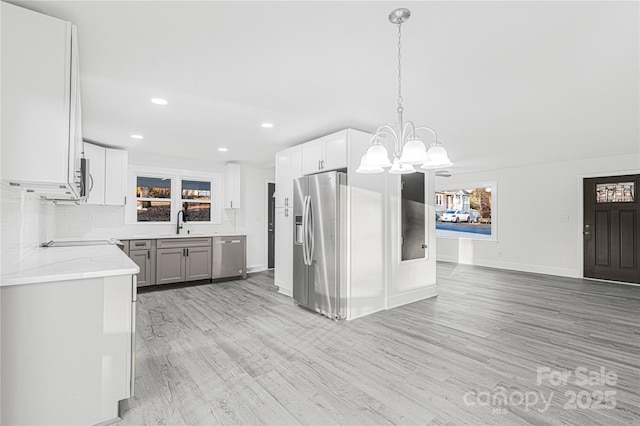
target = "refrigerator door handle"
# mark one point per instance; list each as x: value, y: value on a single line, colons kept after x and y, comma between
x: 311, y: 231
x: 305, y: 225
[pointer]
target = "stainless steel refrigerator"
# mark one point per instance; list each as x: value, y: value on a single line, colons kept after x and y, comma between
x: 319, y: 243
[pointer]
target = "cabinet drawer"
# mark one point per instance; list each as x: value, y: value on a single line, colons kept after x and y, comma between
x: 139, y: 244
x: 183, y: 242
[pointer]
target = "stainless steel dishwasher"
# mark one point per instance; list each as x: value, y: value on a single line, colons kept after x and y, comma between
x: 229, y: 257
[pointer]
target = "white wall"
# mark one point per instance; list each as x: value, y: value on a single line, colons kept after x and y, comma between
x: 26, y: 222
x: 410, y: 280
x: 91, y: 221
x: 532, y: 201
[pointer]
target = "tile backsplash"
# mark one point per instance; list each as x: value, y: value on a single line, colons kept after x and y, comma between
x: 26, y: 221
x: 88, y: 221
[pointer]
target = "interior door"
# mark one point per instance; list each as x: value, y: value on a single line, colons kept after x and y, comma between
x: 271, y: 229
x: 413, y: 216
x: 610, y: 231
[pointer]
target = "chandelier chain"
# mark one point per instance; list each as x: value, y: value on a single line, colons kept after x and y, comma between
x: 399, y: 66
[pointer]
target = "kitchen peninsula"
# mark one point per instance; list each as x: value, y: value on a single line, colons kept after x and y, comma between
x: 68, y: 335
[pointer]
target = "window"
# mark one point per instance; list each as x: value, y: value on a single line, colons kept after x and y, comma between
x: 153, y: 199
x: 196, y: 200
x: 161, y: 193
x: 466, y: 212
x: 622, y: 192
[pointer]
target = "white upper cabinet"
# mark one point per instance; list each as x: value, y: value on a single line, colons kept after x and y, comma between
x: 232, y: 180
x: 326, y: 153
x: 116, y: 164
x: 108, y: 175
x: 288, y: 168
x: 96, y: 155
x: 41, y: 131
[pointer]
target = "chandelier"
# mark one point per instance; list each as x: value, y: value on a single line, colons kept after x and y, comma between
x: 409, y: 150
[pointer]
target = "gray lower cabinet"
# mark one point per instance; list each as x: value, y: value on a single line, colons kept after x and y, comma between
x: 229, y: 257
x: 179, y: 260
x: 143, y: 253
x: 170, y: 265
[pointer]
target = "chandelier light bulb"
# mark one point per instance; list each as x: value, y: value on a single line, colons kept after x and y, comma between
x: 366, y: 168
x: 377, y: 156
x: 401, y: 169
x: 413, y: 152
x: 437, y: 157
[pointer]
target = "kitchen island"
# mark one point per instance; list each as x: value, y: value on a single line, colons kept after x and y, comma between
x: 68, y: 335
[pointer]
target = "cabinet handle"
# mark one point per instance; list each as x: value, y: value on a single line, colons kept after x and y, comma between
x: 149, y: 255
x: 140, y: 244
x: 187, y: 252
x: 184, y: 252
x: 319, y: 164
x: 286, y: 212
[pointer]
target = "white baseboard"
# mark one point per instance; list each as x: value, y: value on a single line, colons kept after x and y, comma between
x: 256, y: 268
x: 412, y: 296
x: 512, y: 266
x: 285, y: 291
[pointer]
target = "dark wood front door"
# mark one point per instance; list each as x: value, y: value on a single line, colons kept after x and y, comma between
x: 610, y: 228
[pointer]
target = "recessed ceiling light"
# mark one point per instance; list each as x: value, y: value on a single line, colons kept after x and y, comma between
x: 137, y: 137
x: 223, y: 149
x: 159, y: 101
x: 267, y: 125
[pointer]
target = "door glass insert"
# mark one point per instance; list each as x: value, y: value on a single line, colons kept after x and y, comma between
x: 621, y: 192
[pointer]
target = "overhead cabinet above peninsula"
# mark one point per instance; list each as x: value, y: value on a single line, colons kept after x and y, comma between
x: 41, y: 122
x: 107, y: 177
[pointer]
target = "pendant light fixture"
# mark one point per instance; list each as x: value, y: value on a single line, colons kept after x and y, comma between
x: 409, y: 150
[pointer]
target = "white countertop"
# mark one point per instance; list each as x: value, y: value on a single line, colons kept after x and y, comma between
x: 192, y: 235
x: 69, y: 263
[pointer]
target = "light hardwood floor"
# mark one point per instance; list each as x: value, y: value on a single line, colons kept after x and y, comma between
x: 240, y: 353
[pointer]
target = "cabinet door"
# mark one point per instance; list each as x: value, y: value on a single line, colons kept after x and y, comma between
x: 170, y: 265
x: 232, y: 177
x: 312, y: 156
x: 116, y: 161
x: 198, y: 263
x: 284, y: 250
x: 36, y: 104
x: 283, y: 176
x: 335, y: 152
x: 96, y: 155
x: 142, y: 258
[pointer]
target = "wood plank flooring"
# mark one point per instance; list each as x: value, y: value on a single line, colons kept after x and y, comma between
x: 239, y: 353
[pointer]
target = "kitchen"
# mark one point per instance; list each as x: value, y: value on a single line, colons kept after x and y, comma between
x: 171, y: 151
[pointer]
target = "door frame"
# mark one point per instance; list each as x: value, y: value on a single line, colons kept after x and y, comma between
x: 266, y: 222
x: 579, y: 225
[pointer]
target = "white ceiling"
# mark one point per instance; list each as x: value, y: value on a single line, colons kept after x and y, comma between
x: 503, y: 83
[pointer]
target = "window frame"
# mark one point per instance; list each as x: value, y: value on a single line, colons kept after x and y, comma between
x: 176, y: 176
x: 494, y: 207
x: 209, y: 201
x: 170, y: 200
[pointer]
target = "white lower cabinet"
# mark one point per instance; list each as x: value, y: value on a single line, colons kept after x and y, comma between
x: 67, y: 350
x: 284, y: 250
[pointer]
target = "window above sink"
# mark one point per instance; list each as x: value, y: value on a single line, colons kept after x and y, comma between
x: 160, y: 193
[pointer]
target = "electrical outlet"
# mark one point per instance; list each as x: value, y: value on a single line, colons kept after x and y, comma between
x: 564, y: 218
